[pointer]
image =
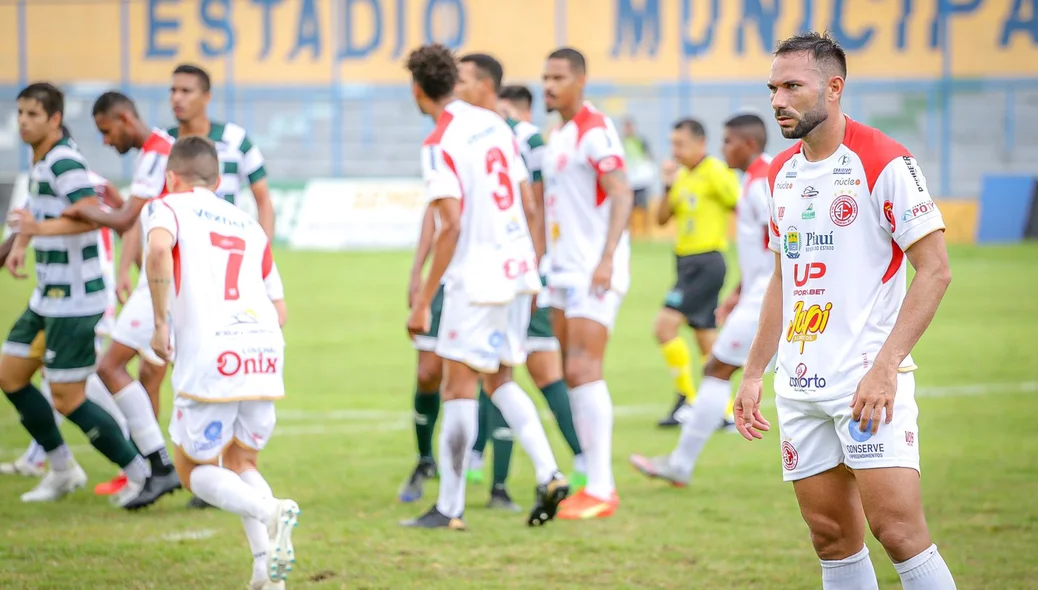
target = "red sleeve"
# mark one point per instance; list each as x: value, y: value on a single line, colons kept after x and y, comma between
x: 268, y: 260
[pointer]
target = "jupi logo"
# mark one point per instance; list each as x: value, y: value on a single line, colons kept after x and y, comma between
x: 807, y: 324
x: 791, y: 243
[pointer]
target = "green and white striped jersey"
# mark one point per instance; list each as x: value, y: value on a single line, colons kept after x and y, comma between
x: 531, y: 146
x: 241, y: 163
x: 69, y: 277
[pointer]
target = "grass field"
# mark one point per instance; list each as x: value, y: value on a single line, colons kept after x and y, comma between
x: 344, y: 442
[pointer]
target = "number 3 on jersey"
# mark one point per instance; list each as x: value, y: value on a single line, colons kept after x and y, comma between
x: 235, y: 248
x: 497, y: 164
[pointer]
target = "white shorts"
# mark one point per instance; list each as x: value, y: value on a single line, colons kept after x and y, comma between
x: 483, y: 337
x: 580, y: 303
x: 205, y: 429
x: 732, y: 346
x: 817, y: 436
x: 136, y: 325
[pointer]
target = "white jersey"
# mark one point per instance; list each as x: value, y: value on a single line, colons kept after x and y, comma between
x: 577, y: 209
x: 843, y: 264
x: 473, y: 156
x: 756, y: 262
x: 106, y: 248
x: 229, y: 343
x: 149, y: 178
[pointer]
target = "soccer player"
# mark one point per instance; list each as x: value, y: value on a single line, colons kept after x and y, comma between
x: 120, y: 125
x: 69, y: 300
x: 744, y: 139
x: 588, y: 202
x: 230, y: 357
x: 848, y: 204
x: 479, y: 80
x: 489, y: 259
x: 700, y: 200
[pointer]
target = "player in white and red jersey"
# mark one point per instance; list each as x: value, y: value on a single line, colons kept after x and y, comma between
x: 745, y: 137
x: 588, y: 202
x: 117, y: 119
x: 848, y: 204
x: 214, y: 261
x: 488, y: 259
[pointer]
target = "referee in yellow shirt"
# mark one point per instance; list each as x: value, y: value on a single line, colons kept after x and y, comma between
x: 700, y: 200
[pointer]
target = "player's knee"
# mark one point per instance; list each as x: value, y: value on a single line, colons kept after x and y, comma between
x: 901, y: 538
x: 832, y: 539
x: 10, y: 383
x: 66, y: 401
x: 718, y: 370
x: 108, y: 369
x: 664, y: 328
x: 581, y: 370
x: 429, y: 376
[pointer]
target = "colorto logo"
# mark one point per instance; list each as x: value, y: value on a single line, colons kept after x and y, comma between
x: 230, y: 363
x: 807, y: 324
x: 843, y: 211
x: 802, y: 382
x: 791, y: 243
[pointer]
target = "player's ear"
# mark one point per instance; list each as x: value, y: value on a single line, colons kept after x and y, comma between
x: 835, y: 89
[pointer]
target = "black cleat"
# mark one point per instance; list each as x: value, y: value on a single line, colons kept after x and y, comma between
x: 434, y: 519
x: 197, y: 503
x: 500, y: 500
x: 155, y: 487
x: 671, y: 419
x: 547, y: 500
x: 413, y: 488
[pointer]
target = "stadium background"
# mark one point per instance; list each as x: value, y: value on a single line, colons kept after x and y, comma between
x: 320, y: 87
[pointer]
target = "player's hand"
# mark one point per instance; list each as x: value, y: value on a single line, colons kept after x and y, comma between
x: 412, y: 288
x: 725, y: 309
x: 15, y: 262
x: 602, y: 279
x: 748, y: 419
x: 73, y: 213
x: 419, y: 321
x: 668, y: 172
x: 22, y: 221
x: 123, y: 287
x: 160, y: 342
x: 875, y: 394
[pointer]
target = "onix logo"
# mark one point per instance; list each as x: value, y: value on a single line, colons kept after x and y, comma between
x: 811, y: 270
x: 230, y: 363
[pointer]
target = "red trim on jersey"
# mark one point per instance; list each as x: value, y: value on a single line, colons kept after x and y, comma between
x: 603, y: 167
x: 757, y: 170
x: 587, y: 119
x: 897, y: 256
x: 774, y: 227
x: 441, y: 127
x: 176, y: 248
x: 158, y: 142
x: 106, y: 242
x: 776, y: 166
x: 875, y: 149
x: 766, y: 238
x: 268, y: 260
x: 450, y: 164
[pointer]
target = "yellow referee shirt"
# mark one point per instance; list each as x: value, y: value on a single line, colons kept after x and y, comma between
x: 702, y: 200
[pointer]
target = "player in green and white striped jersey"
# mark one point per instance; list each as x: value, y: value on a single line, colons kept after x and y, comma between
x: 241, y: 162
x: 68, y: 301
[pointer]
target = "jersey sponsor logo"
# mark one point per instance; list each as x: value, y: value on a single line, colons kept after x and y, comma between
x: 791, y: 174
x: 910, y: 163
x: 920, y: 210
x: 783, y: 186
x: 801, y: 382
x: 791, y: 243
x: 843, y: 168
x: 561, y: 162
x: 515, y: 268
x: 910, y: 438
x: 843, y: 211
x: 888, y: 212
x: 807, y: 324
x: 781, y: 213
x: 789, y: 456
x: 609, y: 163
x: 212, y: 435
x: 847, y: 182
x: 809, y: 193
x: 218, y: 219
x: 865, y: 451
x: 497, y: 338
x: 255, y: 361
x: 815, y: 242
x: 808, y: 292
x: 808, y: 213
x: 802, y: 273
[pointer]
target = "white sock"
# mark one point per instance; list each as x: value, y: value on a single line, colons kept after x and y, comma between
x: 579, y: 462
x: 521, y: 416
x: 926, y: 571
x: 596, y: 416
x: 224, y: 489
x: 45, y: 390
x: 34, y: 454
x: 138, y: 471
x: 458, y: 433
x: 707, y: 413
x: 850, y: 573
x: 98, y: 393
x: 60, y: 458
x: 256, y: 531
x: 475, y: 460
x: 135, y: 404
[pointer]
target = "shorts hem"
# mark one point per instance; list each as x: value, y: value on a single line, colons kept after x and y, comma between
x: 789, y: 476
x: 425, y: 343
x: 69, y: 375
x: 210, y: 461
x: 728, y: 361
x: 884, y: 465
x: 542, y: 344
x: 16, y: 349
x: 457, y: 359
x: 587, y: 316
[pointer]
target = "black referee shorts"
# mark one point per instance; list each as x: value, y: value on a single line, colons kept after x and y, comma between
x: 698, y: 286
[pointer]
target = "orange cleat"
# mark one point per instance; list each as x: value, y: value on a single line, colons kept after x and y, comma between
x: 583, y: 506
x: 110, y: 488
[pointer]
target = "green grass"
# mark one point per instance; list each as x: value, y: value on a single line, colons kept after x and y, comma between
x: 737, y: 526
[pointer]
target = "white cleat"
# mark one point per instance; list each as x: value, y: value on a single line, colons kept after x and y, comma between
x: 56, y: 484
x: 280, y: 553
x: 127, y: 494
x: 22, y: 467
x: 266, y: 585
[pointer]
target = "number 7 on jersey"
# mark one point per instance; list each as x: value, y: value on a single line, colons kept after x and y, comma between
x: 235, y: 248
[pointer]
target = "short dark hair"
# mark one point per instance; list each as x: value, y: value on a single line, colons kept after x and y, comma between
x: 202, y: 75
x: 433, y: 68
x: 487, y: 66
x: 575, y: 58
x: 516, y: 93
x: 194, y: 157
x: 823, y: 48
x: 48, y: 95
x: 112, y: 100
x: 752, y: 125
x: 692, y: 126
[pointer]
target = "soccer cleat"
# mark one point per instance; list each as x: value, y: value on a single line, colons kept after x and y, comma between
x: 500, y: 500
x: 24, y: 468
x: 548, y: 498
x: 266, y: 585
x: 434, y: 519
x: 280, y: 553
x: 585, y: 507
x: 413, y: 488
x: 56, y: 484
x: 111, y: 488
x: 672, y: 419
x: 577, y: 480
x: 196, y: 503
x: 658, y: 468
x: 156, y: 486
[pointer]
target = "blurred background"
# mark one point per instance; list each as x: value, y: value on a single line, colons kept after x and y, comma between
x: 319, y: 84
